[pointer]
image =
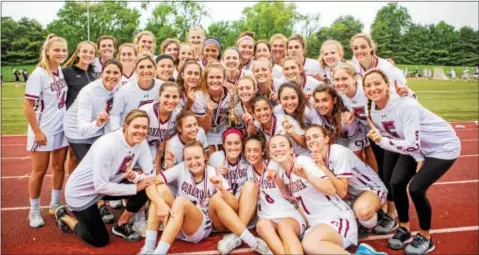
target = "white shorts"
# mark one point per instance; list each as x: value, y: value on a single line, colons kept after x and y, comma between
x: 202, y: 233
x: 382, y: 195
x: 344, y: 223
x: 54, y: 142
x: 296, y: 216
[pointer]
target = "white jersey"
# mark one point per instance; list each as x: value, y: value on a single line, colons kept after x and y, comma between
x: 248, y: 67
x: 159, y: 131
x: 198, y: 193
x: 345, y: 164
x: 394, y: 74
x: 49, y: 93
x: 309, y: 114
x: 349, y: 130
x: 130, y: 97
x: 176, y: 146
x: 315, y: 204
x: 277, y: 129
x: 358, y: 103
x: 312, y: 67
x: 97, y: 66
x: 236, y: 176
x: 126, y: 79
x: 102, y: 169
x: 219, y: 115
x: 277, y: 72
x: 272, y: 204
x: 80, y: 119
x: 309, y: 84
x: 241, y: 74
x: 409, y: 128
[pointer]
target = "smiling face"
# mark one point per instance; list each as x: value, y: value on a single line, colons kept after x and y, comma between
x: 343, y: 81
x: 232, y: 145
x: 324, y: 103
x: 278, y: 48
x: 186, y: 52
x: 57, y: 53
x: 189, y: 127
x: 195, y: 38
x: 280, y: 149
x: 289, y: 99
x: 136, y: 131
x: 127, y: 56
x: 194, y: 159
x: 231, y: 60
x: 169, y: 98
x: 261, y: 71
x: 295, y: 49
x: 164, y: 69
x: 262, y: 51
x: 375, y: 87
x: 107, y: 48
x: 291, y: 70
x: 253, y: 151
x: 145, y: 69
x: 315, y: 139
x: 110, y: 75
x: 262, y: 111
x: 361, y: 49
x: 172, y: 49
x: 246, y: 49
x: 86, y: 54
x: 331, y: 55
x: 146, y: 44
x: 215, y: 79
x: 211, y: 52
x: 191, y: 76
x: 246, y: 90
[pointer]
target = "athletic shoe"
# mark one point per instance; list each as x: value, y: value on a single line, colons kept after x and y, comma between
x: 228, y: 243
x: 420, y: 245
x: 363, y: 232
x: 106, y: 215
x: 262, y: 247
x: 386, y: 224
x: 59, y: 213
x: 400, y: 239
x: 35, y: 218
x: 140, y: 227
x: 126, y: 231
x: 53, y: 208
x: 116, y: 204
x: 146, y: 250
x: 365, y: 249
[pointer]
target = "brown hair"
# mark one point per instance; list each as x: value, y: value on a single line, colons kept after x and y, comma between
x: 127, y: 45
x: 106, y: 37
x: 169, y: 84
x: 257, y: 99
x: 180, y: 80
x: 259, y: 137
x: 338, y: 108
x: 113, y: 61
x: 208, y: 69
x: 143, y: 56
x: 298, y: 114
x: 323, y: 130
x: 245, y: 34
x: 271, y: 138
x: 385, y: 78
x: 366, y: 37
x: 297, y: 61
x: 193, y: 143
x: 301, y: 41
x: 134, y: 114
x: 182, y: 116
x: 73, y: 60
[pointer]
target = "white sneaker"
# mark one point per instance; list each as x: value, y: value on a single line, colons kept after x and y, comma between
x: 228, y: 243
x: 140, y: 227
x: 261, y: 247
x: 35, y: 218
x: 146, y: 250
x: 115, y: 204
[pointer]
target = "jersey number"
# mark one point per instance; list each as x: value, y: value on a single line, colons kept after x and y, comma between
x: 61, y: 104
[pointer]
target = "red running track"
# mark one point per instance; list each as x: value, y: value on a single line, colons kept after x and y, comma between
x: 454, y: 198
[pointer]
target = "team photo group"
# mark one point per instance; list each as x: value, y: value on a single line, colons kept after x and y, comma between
x: 282, y: 153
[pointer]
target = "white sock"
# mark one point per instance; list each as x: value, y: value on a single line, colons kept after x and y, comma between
x: 248, y: 238
x: 150, y: 239
x: 35, y: 204
x: 370, y: 223
x: 56, y: 196
x: 139, y: 216
x: 162, y: 248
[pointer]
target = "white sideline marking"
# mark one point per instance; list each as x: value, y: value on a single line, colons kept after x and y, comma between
x: 471, y: 155
x: 22, y: 208
x: 13, y: 145
x: 433, y: 231
x: 445, y: 91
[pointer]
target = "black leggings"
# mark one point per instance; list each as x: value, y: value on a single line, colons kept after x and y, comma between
x: 379, y: 155
x: 80, y: 150
x: 90, y: 227
x: 402, y: 172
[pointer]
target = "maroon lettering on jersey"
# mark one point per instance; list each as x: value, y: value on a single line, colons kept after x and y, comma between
x: 390, y: 128
x: 109, y: 105
x: 143, y: 102
x: 125, y: 163
x: 360, y: 112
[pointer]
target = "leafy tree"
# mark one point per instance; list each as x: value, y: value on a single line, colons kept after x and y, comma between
x: 225, y: 31
x: 160, y: 22
x: 341, y: 30
x: 464, y: 51
x: 106, y: 18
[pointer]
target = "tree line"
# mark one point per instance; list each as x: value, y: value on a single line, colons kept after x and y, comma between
x: 396, y: 35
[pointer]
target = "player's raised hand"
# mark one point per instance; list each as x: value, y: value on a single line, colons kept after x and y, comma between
x: 211, y: 105
x: 223, y: 169
x: 271, y: 174
x: 374, y: 135
x: 288, y: 127
x: 169, y: 159
x: 402, y: 91
x: 217, y: 181
x: 347, y: 117
x: 102, y: 118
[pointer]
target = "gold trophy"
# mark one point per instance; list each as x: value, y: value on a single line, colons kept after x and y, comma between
x: 232, y: 118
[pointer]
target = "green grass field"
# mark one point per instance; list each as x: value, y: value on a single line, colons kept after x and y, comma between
x: 7, y: 71
x: 454, y: 101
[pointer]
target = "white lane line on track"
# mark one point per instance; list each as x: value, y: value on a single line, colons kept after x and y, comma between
x: 470, y: 155
x: 433, y: 231
x: 13, y: 145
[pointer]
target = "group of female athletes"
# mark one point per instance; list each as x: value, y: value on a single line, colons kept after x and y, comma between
x: 313, y: 154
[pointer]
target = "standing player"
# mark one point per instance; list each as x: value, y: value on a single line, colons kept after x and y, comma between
x: 146, y: 43
x: 127, y: 55
x: 106, y: 173
x: 294, y: 72
x: 211, y: 52
x: 297, y: 48
x: 231, y: 62
x: 189, y: 80
x: 245, y: 44
x: 278, y: 44
x: 186, y: 52
x: 171, y: 47
x: 246, y: 91
x: 293, y: 103
x: 331, y: 54
x: 165, y: 67
x: 195, y: 37
x: 428, y: 147
x: 265, y: 81
x: 44, y: 108
x: 106, y: 45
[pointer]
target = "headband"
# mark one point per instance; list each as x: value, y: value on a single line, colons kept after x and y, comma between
x: 230, y: 131
x: 246, y: 37
x: 164, y: 56
x: 213, y: 41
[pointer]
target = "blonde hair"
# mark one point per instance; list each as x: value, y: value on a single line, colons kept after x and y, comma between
x: 366, y: 37
x: 208, y: 69
x: 348, y: 68
x: 44, y: 59
x: 296, y: 60
x: 196, y: 29
x: 74, y: 57
x: 167, y: 42
x: 142, y: 33
x: 126, y: 45
x: 143, y: 56
x: 339, y: 48
x: 257, y: 61
x: 135, y: 114
x: 278, y: 37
